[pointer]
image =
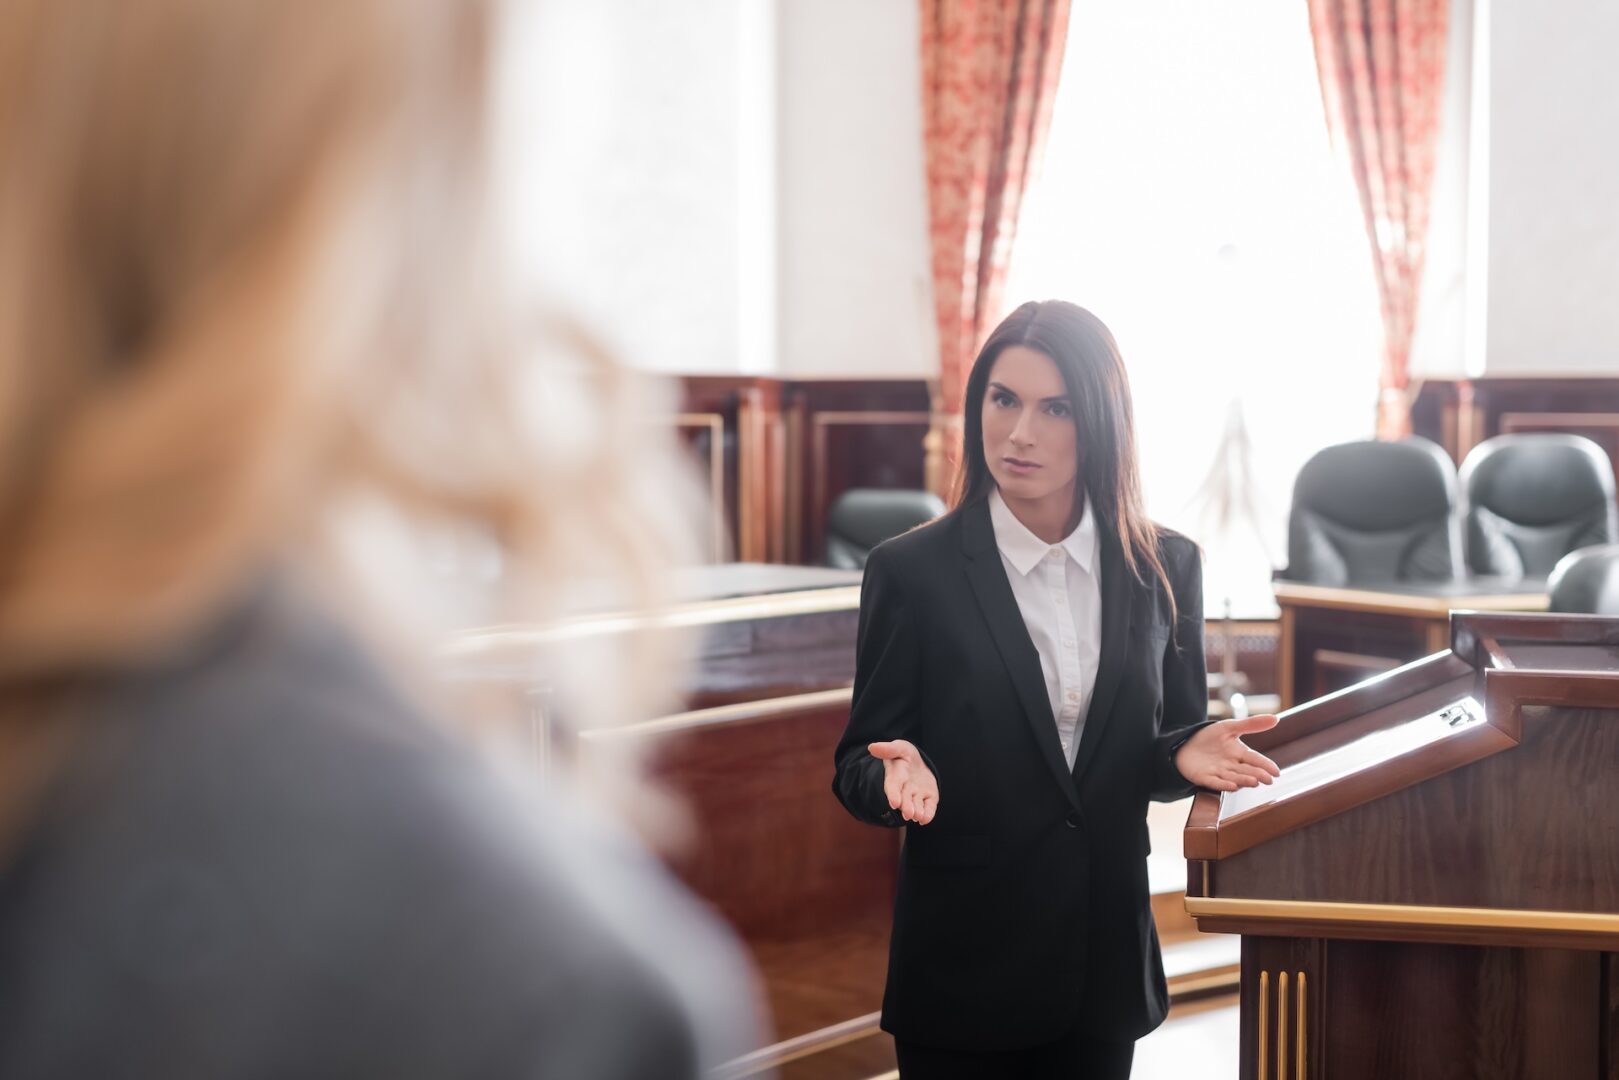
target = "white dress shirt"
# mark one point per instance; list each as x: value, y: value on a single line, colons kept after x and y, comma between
x: 1060, y: 598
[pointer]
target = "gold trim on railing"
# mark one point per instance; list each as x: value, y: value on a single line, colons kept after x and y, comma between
x: 1453, y: 918
x: 1263, y: 1051
x: 1302, y: 1027
x: 1281, y: 1026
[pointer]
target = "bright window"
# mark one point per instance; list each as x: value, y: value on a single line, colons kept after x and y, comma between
x: 1190, y: 198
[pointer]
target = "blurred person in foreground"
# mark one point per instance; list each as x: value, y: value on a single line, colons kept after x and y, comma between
x: 251, y: 322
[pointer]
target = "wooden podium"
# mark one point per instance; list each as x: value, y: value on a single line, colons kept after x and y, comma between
x: 1431, y: 889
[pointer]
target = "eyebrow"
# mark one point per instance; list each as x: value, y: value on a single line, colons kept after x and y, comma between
x: 1003, y: 388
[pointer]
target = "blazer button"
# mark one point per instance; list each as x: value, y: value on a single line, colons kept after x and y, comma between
x: 1073, y: 821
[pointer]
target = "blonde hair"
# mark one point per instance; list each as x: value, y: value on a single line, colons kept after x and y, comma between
x: 250, y: 292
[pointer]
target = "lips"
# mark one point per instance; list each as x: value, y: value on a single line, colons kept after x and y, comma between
x: 1018, y: 465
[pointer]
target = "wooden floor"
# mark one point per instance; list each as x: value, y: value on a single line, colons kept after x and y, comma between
x: 1199, y: 1039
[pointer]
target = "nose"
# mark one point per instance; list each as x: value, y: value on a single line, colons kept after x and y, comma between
x: 1023, y: 430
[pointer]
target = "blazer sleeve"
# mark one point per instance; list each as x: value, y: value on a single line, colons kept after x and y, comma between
x: 887, y: 686
x: 1186, y: 679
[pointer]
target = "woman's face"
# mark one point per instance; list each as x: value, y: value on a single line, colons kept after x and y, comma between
x: 1030, y: 437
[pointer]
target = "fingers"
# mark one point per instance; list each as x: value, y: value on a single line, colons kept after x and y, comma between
x: 1248, y: 775
x: 887, y: 751
x: 894, y: 750
x: 926, y: 808
x: 1259, y: 761
x: 893, y: 787
x: 915, y: 800
x: 1249, y: 725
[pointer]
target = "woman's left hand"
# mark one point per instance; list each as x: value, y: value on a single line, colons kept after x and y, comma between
x: 1218, y: 759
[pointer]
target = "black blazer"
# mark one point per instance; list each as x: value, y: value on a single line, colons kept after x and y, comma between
x: 1022, y: 909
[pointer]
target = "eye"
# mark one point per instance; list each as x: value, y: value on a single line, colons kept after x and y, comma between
x: 1059, y: 409
x: 1002, y: 399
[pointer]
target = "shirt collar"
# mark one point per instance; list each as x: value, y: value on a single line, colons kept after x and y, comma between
x: 1024, y: 550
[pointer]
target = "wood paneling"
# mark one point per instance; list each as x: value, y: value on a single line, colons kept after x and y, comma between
x: 777, y: 453
x: 743, y: 455
x: 1459, y: 414
x: 754, y: 659
x: 1505, y: 1014
x: 1282, y: 1024
x: 809, y: 889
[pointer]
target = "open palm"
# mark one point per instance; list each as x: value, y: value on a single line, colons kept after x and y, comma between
x: 1218, y: 759
x: 907, y: 781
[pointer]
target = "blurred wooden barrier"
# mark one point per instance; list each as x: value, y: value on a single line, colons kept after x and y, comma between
x: 809, y: 889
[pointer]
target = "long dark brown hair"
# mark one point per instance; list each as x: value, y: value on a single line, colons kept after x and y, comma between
x: 1085, y: 353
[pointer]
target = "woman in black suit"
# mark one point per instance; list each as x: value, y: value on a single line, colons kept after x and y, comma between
x: 1029, y: 673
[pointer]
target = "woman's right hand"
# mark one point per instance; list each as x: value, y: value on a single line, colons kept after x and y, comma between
x: 907, y: 781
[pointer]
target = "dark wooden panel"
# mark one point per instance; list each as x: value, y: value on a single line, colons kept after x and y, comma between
x: 1535, y: 827
x: 1458, y: 414
x: 776, y: 453
x: 736, y: 428
x: 866, y: 448
x: 1450, y: 1013
x: 1369, y: 637
x: 769, y: 658
x: 1269, y: 988
x: 809, y: 889
x: 1608, y: 1011
x: 776, y: 854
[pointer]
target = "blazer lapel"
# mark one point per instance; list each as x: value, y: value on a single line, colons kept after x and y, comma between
x: 1118, y: 593
x: 995, y: 599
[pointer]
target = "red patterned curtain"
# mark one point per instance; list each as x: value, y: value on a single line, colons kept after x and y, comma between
x: 989, y: 76
x: 1382, y: 65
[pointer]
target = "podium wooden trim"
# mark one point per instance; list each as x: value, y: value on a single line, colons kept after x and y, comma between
x: 1310, y: 918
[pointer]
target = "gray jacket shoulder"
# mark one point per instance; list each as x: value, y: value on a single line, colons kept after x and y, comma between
x: 265, y: 862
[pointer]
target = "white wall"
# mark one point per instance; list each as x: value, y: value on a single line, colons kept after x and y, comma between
x: 1552, y: 215
x: 727, y: 186
x: 855, y: 295
x: 628, y: 138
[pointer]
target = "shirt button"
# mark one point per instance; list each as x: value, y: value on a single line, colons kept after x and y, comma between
x: 1073, y: 696
x: 1068, y: 643
x: 1055, y: 555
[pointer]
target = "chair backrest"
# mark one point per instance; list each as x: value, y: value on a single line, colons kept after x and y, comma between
x: 1375, y: 512
x: 862, y: 518
x: 1533, y: 498
x: 1586, y: 581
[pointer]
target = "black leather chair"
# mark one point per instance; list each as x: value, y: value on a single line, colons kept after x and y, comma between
x: 1533, y: 498
x: 862, y: 518
x: 1375, y: 512
x: 1586, y: 581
